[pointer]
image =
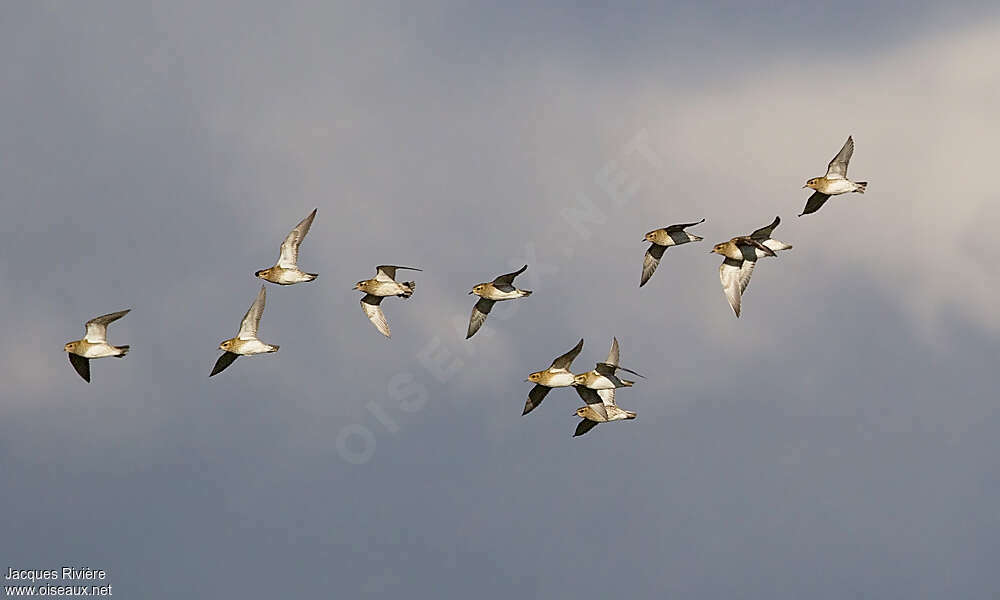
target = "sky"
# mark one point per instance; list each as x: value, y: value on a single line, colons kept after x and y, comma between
x: 840, y: 439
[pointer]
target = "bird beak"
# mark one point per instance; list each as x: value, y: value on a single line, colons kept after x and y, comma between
x: 527, y: 381
x: 470, y: 293
x: 805, y: 186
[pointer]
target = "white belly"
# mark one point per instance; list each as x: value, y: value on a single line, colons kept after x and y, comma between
x: 557, y: 379
x: 99, y: 350
x: 495, y: 294
x: 247, y: 347
x: 838, y: 186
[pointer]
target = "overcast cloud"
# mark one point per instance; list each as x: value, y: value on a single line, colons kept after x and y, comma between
x: 840, y: 439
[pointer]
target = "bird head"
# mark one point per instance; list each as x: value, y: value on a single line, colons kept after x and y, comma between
x: 535, y: 377
x: 719, y: 248
x: 68, y: 347
x: 259, y: 273
x: 477, y: 290
x: 581, y: 412
x: 226, y: 345
x: 812, y: 183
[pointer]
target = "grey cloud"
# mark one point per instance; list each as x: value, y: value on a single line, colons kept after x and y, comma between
x: 836, y: 440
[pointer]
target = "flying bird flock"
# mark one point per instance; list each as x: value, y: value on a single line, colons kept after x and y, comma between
x: 596, y: 387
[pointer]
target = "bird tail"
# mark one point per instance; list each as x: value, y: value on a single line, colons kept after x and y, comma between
x: 123, y: 350
x: 861, y: 185
x: 408, y: 288
x: 312, y: 276
x: 525, y: 293
x: 627, y: 383
x: 695, y: 238
x: 630, y: 415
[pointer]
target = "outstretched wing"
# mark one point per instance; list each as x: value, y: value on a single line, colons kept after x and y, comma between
x: 81, y: 364
x: 224, y: 361
x: 479, y: 312
x: 683, y: 226
x: 508, y: 279
x: 370, y: 304
x: 97, y: 328
x: 535, y: 397
x: 289, y: 257
x: 251, y: 320
x: 607, y: 396
x: 613, y: 355
x: 388, y: 272
x: 735, y: 277
x: 837, y: 169
x: 765, y: 232
x: 814, y: 203
x: 584, y: 426
x: 564, y: 361
x: 651, y: 261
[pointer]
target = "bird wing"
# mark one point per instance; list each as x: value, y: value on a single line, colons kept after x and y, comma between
x: 535, y: 397
x: 814, y: 203
x: 97, y: 328
x: 775, y: 245
x: 837, y: 169
x: 752, y: 249
x: 289, y: 257
x: 765, y: 232
x: 613, y: 355
x: 508, y: 279
x: 251, y: 320
x: 607, y: 396
x: 388, y: 272
x: 735, y: 277
x: 479, y: 312
x: 564, y: 361
x: 651, y: 261
x: 81, y: 364
x: 620, y: 368
x: 370, y: 304
x: 593, y: 400
x: 224, y: 361
x: 584, y: 426
x: 682, y: 226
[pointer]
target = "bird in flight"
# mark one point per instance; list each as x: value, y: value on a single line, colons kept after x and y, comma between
x: 246, y: 342
x: 557, y: 375
x: 383, y: 285
x: 286, y: 271
x: 95, y: 344
x: 660, y: 240
x: 834, y: 182
x: 604, y: 376
x: 740, y: 256
x: 501, y: 288
x: 601, y: 406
